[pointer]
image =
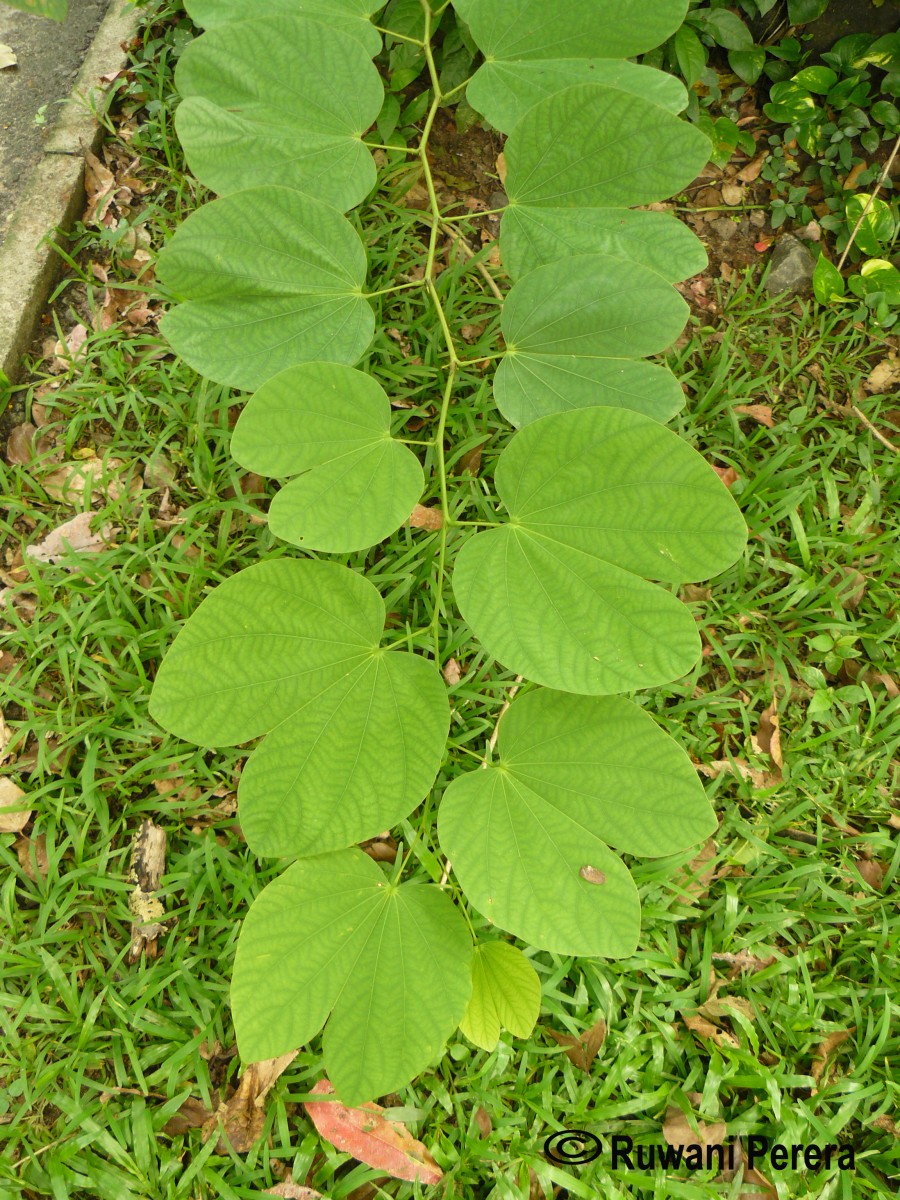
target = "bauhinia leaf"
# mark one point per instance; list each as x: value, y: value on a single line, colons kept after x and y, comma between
x: 262, y: 295
x: 600, y: 500
x: 629, y: 151
x: 574, y: 774
x: 573, y: 331
x: 334, y: 424
x: 283, y: 100
x: 531, y: 237
x: 355, y: 733
x: 506, y: 994
x: 371, y: 1138
x: 391, y: 964
x: 350, y: 16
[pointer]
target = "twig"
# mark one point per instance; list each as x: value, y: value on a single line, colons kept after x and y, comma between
x: 467, y: 249
x: 871, y: 428
x: 492, y: 742
x: 871, y: 200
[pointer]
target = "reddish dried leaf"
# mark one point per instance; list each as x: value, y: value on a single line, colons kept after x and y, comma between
x: 370, y: 1138
x: 581, y: 1050
x: 728, y: 475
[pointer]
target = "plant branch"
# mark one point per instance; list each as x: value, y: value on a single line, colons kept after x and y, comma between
x: 871, y: 200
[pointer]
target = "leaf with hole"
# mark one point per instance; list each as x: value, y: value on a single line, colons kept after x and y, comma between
x: 332, y: 936
x: 531, y: 237
x: 575, y: 775
x: 242, y: 123
x: 356, y: 734
x: 575, y: 331
x: 600, y: 501
x: 259, y: 295
x: 629, y: 151
x: 333, y: 424
x: 506, y: 994
x: 349, y: 16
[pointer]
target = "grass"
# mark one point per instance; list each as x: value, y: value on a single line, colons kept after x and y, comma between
x: 97, y: 1052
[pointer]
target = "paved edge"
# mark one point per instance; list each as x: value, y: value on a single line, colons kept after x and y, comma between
x: 54, y: 196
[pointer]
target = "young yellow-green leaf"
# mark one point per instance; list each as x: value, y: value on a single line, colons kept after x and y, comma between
x: 572, y: 331
x: 535, y: 30
x: 350, y: 16
x: 629, y: 151
x: 504, y: 91
x: 283, y: 100
x: 532, y: 237
x: 357, y: 732
x: 528, y: 837
x: 334, y: 424
x: 392, y: 965
x: 506, y: 994
x: 268, y: 278
x: 600, y: 500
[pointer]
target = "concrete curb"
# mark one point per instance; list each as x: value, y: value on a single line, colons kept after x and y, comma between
x: 54, y: 196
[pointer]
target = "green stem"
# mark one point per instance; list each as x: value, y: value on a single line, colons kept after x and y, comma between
x: 400, y: 287
x: 401, y: 37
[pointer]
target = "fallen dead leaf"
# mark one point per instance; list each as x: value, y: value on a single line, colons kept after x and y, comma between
x: 742, y: 961
x: 737, y: 766
x: 193, y: 1114
x: 8, y: 57
x: 853, y: 175
x: 13, y: 817
x: 887, y: 1124
x: 380, y: 850
x: 852, y: 588
x: 470, y: 462
x: 74, y: 535
x: 872, y: 871
x: 100, y: 186
x: 370, y: 1138
x: 723, y: 1006
x: 759, y: 412
x: 884, y: 376
x: 32, y: 855
x: 289, y: 1190
x: 706, y: 1029
x: 581, y: 1050
x: 678, y: 1131
x: 693, y: 880
x: 501, y: 169
x: 750, y: 172
x: 483, y: 1121
x: 66, y: 351
x: 426, y: 518
x: 728, y: 475
x: 148, y: 862
x: 101, y: 478
x: 6, y: 737
x: 20, y: 444
x: 451, y: 672
x: 825, y: 1048
x: 732, y: 193
x: 768, y: 735
x: 241, y: 1119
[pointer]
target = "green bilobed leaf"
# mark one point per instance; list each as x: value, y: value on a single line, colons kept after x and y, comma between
x: 242, y: 124
x: 533, y: 237
x: 350, y: 16
x: 334, y: 424
x: 504, y: 91
x: 600, y: 501
x: 357, y: 732
x: 574, y: 774
x: 391, y: 964
x: 535, y: 30
x: 572, y: 330
x: 506, y: 994
x: 629, y: 151
x: 270, y: 278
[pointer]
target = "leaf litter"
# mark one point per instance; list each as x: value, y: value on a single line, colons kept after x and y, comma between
x: 241, y: 1119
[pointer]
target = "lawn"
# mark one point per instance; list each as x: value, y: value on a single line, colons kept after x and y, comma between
x: 763, y: 998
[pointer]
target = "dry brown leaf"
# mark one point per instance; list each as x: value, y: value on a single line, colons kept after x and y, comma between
x: 872, y: 871
x: 581, y: 1050
x: 370, y: 1138
x: 728, y: 475
x: 851, y: 591
x: 32, y: 855
x: 6, y: 737
x: 483, y: 1121
x: 732, y: 193
x: 243, y: 1117
x: 743, y: 961
x: 706, y: 1029
x: 887, y: 1124
x: 380, y: 850
x: 193, y: 1114
x: 884, y: 376
x: 71, y: 347
x: 452, y: 672
x: 759, y: 412
x: 693, y: 880
x: 13, y: 817
x: 501, y: 168
x: 768, y: 736
x: 289, y: 1190
x: 737, y: 766
x: 470, y: 462
x: 825, y: 1048
x: 853, y: 175
x: 148, y: 862
x: 72, y: 535
x: 20, y: 444
x: 426, y: 518
x: 890, y: 683
x: 750, y: 172
x: 100, y: 186
x: 723, y: 1006
x: 678, y: 1131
